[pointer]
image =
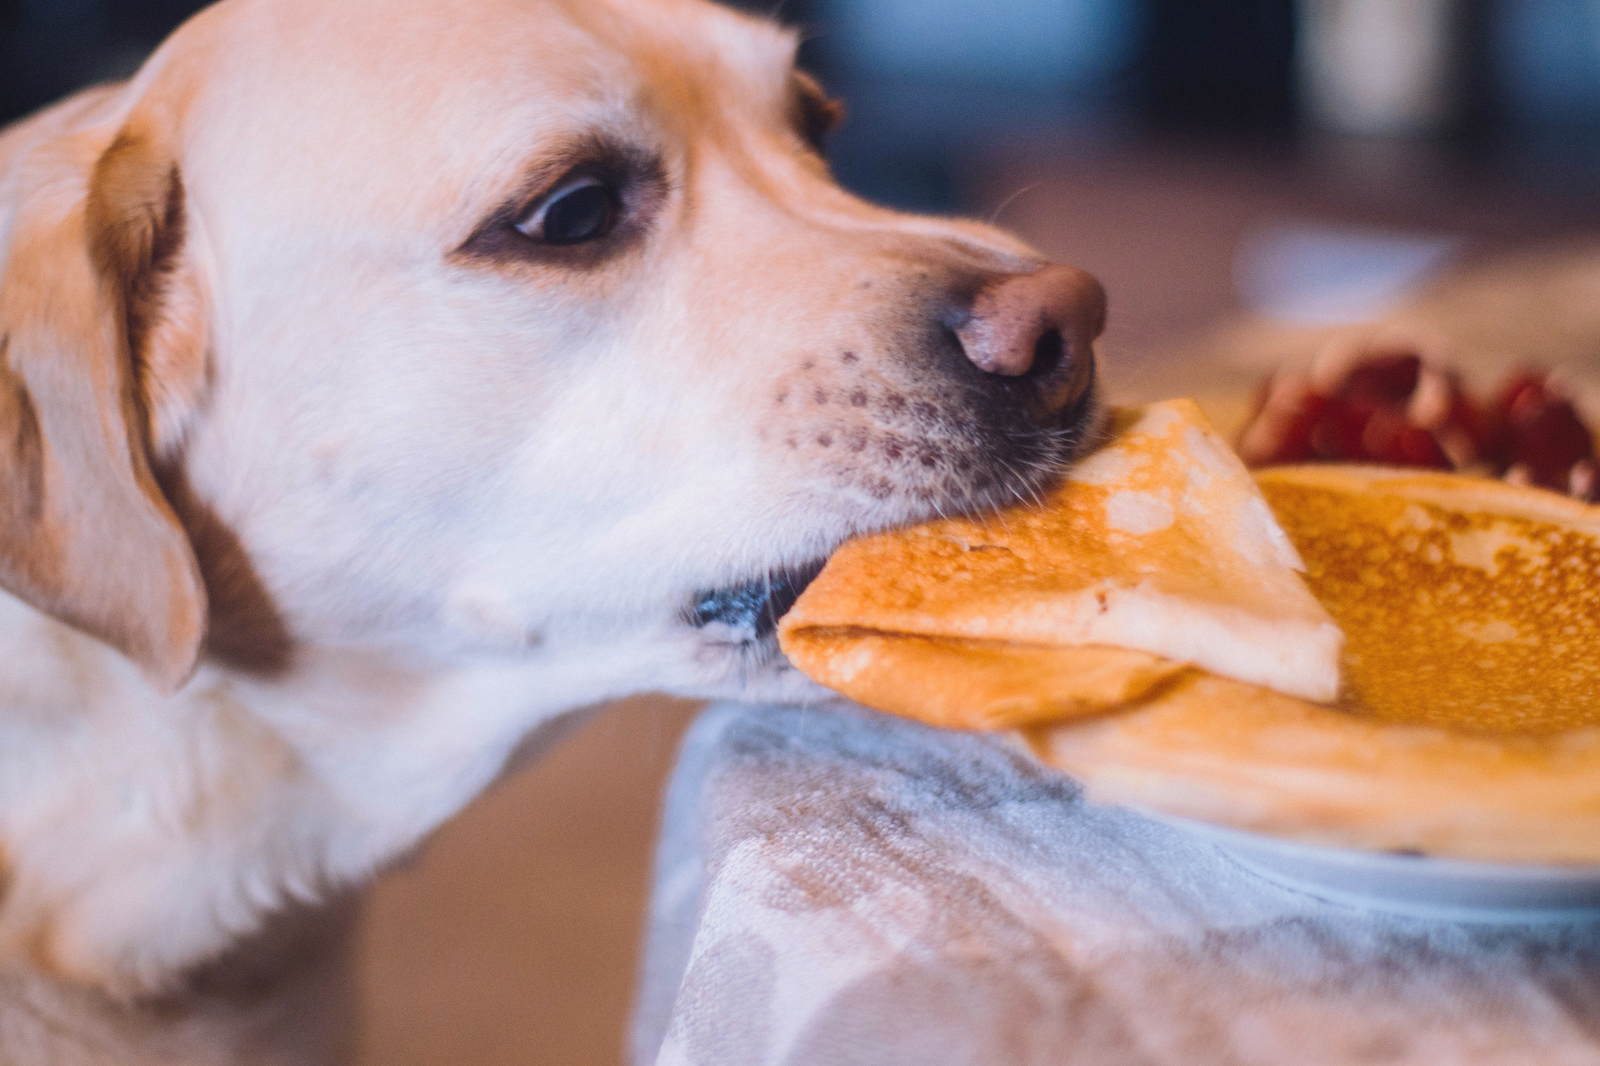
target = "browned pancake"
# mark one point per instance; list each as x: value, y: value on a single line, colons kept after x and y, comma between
x: 1159, y: 543
x: 1469, y: 724
x: 1465, y: 602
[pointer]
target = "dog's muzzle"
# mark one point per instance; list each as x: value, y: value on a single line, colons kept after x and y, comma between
x: 1017, y: 359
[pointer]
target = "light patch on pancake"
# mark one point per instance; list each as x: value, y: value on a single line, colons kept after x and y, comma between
x: 848, y: 666
x: 1210, y: 458
x: 1157, y: 418
x: 1193, y: 503
x: 1107, y: 467
x: 1138, y: 513
x: 1482, y: 547
x: 1495, y: 631
x: 1415, y: 517
x: 1261, y: 541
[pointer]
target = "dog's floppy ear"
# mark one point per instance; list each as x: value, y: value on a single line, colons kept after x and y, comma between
x: 96, y: 340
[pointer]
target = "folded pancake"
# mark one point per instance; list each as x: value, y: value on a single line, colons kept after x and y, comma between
x: 1155, y: 552
x: 1469, y: 721
x: 978, y: 684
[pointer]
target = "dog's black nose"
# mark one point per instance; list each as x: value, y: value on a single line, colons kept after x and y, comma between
x: 1039, y: 325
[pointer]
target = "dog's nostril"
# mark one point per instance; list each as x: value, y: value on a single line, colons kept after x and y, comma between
x: 1049, y: 354
x: 1032, y: 324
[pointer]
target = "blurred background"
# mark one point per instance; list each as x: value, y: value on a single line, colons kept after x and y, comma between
x: 1514, y: 84
x: 1509, y: 85
x: 1152, y: 141
x: 1304, y: 160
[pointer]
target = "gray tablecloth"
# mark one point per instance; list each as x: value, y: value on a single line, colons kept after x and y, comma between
x: 839, y: 887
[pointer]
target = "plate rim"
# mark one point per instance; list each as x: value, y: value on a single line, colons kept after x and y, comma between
x: 1531, y: 892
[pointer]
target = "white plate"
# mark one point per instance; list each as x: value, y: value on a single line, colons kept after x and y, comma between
x: 1417, y: 885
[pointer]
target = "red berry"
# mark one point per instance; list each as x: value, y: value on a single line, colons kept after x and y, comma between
x: 1538, y: 431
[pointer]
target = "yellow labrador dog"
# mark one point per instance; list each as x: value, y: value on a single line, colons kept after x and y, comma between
x: 382, y: 378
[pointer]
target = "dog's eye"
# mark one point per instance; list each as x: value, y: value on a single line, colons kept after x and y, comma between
x: 584, y: 209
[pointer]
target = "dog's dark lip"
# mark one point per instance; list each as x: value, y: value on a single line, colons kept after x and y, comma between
x: 752, y: 608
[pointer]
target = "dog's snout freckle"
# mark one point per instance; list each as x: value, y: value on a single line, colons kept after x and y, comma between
x: 927, y: 412
x: 858, y: 398
x: 858, y: 441
x: 791, y: 442
x: 820, y: 397
x: 849, y: 357
x: 825, y: 440
x: 783, y: 397
x: 893, y: 448
x: 809, y: 364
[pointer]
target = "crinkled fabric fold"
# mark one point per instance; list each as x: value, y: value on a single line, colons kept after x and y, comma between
x: 836, y: 887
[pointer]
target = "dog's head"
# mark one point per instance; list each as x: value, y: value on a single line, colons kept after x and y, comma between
x: 512, y: 327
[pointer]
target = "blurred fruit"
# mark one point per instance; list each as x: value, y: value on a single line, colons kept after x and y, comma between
x: 1396, y: 410
x: 1536, y: 437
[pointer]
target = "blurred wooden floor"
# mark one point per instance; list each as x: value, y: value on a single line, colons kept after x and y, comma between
x: 514, y: 938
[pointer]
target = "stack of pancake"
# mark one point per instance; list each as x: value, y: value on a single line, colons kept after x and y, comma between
x: 1349, y: 655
